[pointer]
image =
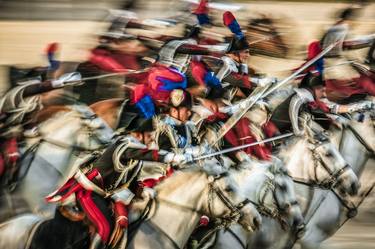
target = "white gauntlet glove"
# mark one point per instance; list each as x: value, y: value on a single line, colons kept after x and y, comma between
x: 178, y: 158
x: 60, y: 82
x: 200, y: 150
x: 263, y: 81
x: 366, y: 105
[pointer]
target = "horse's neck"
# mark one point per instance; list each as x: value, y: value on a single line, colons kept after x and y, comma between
x: 297, y: 158
x: 186, y: 190
x: 48, y: 112
x: 251, y: 181
x: 108, y: 111
x: 352, y: 149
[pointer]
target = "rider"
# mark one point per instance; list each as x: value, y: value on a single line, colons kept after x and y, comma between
x: 17, y: 107
x: 234, y: 72
x: 344, y: 83
x: 310, y: 97
x: 108, y: 185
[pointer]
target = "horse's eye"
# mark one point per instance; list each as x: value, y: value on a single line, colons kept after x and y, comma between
x: 328, y: 153
x: 282, y: 187
x: 229, y: 189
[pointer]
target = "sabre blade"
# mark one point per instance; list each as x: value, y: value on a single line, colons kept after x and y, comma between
x: 253, y: 98
x: 244, y: 146
x: 128, y: 72
x: 305, y: 66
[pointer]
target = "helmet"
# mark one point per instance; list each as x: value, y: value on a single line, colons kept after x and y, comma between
x: 310, y: 80
x: 180, y: 98
x: 141, y: 125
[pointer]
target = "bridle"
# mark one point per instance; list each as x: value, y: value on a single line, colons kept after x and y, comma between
x: 213, y: 191
x: 274, y: 211
x: 333, y: 179
x: 235, y: 209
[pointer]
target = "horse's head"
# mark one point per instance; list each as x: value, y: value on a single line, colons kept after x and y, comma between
x: 227, y: 201
x: 330, y: 169
x: 271, y: 189
x: 285, y: 197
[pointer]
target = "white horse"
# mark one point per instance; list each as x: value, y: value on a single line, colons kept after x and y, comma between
x: 356, y: 141
x: 51, y: 157
x: 313, y: 160
x: 175, y: 211
x: 272, y: 189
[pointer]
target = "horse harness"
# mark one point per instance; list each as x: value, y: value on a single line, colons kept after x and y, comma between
x: 226, y: 221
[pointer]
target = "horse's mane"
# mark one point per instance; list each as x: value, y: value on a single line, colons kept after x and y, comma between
x: 290, y: 142
x: 179, y: 177
x: 50, y: 111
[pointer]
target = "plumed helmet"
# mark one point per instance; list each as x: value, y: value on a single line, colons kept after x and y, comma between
x: 310, y: 80
x: 141, y: 125
x: 237, y: 45
x: 239, y: 41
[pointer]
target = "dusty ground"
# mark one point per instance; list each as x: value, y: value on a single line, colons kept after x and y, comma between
x: 22, y: 43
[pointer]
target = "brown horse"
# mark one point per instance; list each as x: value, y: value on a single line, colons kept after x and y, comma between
x: 265, y: 38
x: 107, y: 110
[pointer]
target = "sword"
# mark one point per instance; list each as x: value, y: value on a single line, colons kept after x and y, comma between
x: 328, y: 68
x: 75, y: 82
x: 243, y: 146
x: 251, y: 100
x: 264, y: 92
x: 297, y: 72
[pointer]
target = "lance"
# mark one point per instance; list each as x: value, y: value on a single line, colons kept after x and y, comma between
x: 264, y: 92
x: 244, y: 146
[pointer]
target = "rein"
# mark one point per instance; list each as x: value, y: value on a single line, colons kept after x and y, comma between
x: 361, y: 140
x: 224, y: 222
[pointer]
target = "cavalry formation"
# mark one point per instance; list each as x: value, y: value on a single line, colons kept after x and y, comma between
x: 176, y: 142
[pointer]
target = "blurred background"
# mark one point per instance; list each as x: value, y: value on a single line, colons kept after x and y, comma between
x: 27, y: 26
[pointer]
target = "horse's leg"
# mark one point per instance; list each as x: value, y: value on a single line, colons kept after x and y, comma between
x: 324, y: 223
x: 313, y: 240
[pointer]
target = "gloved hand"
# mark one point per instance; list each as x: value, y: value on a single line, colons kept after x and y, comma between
x: 362, y: 106
x: 178, y: 158
x: 264, y: 81
x: 200, y: 150
x: 75, y: 76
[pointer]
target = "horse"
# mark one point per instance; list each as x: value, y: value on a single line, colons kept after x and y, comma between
x: 273, y: 194
x: 62, y: 143
x: 356, y: 143
x: 310, y: 159
x: 265, y: 38
x: 183, y: 198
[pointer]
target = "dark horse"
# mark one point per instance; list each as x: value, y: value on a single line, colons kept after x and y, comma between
x: 265, y: 38
x: 33, y: 232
